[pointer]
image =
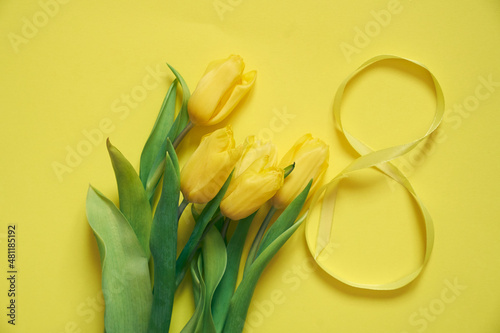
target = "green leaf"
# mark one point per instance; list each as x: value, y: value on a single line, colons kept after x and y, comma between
x: 183, y: 116
x: 181, y: 121
x: 195, y: 280
x: 219, y: 224
x: 199, y: 231
x: 194, y: 324
x: 134, y: 203
x: 125, y: 275
x: 288, y: 170
x: 195, y: 214
x: 285, y: 220
x: 242, y: 297
x: 252, y: 253
x: 155, y: 177
x: 159, y: 132
x: 173, y: 155
x: 225, y: 290
x: 214, y: 265
x: 164, y: 250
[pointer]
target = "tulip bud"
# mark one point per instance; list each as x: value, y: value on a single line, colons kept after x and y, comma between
x: 219, y: 91
x: 208, y: 168
x: 252, y: 151
x: 311, y: 161
x: 251, y: 189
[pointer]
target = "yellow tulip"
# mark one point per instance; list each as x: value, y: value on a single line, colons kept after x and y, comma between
x: 251, y: 189
x: 311, y: 161
x: 219, y: 91
x: 252, y: 151
x: 208, y: 168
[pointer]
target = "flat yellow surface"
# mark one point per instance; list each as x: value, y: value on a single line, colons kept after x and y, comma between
x: 75, y: 72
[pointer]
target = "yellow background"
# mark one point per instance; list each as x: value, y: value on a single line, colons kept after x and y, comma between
x: 65, y: 67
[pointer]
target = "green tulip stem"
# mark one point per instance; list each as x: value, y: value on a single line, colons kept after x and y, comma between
x: 215, y: 220
x: 182, y: 134
x: 252, y: 254
x: 182, y: 272
x: 182, y: 206
x: 223, y: 231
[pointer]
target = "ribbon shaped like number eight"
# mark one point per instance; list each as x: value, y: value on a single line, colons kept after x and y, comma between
x: 324, y: 199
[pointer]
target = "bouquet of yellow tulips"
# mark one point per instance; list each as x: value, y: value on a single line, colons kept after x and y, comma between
x: 137, y: 240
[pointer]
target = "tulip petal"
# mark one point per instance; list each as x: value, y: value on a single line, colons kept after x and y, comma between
x: 213, y: 65
x: 209, y: 166
x: 250, y: 191
x: 289, y: 157
x: 252, y: 151
x: 239, y: 91
x: 202, y: 186
x: 212, y: 88
x: 311, y: 161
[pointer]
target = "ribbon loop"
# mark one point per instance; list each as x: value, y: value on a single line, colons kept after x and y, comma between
x: 325, y: 198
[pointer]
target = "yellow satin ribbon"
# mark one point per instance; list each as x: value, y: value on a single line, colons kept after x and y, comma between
x: 325, y: 197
